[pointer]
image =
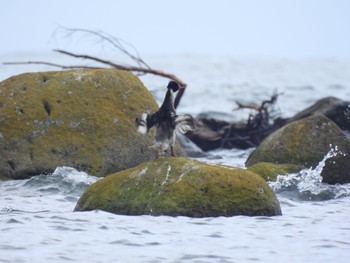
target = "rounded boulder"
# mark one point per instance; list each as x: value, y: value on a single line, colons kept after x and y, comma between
x: 79, y: 118
x: 181, y: 187
x: 305, y: 143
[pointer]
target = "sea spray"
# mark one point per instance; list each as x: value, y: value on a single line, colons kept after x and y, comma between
x: 307, y: 184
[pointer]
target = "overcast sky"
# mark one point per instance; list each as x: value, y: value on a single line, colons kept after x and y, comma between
x: 269, y: 28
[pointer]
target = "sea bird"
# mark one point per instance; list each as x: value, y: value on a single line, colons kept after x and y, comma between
x: 166, y: 122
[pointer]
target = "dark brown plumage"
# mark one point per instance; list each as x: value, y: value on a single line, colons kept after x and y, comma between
x: 166, y: 122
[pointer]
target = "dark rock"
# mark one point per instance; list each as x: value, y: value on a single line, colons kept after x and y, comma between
x: 335, y: 109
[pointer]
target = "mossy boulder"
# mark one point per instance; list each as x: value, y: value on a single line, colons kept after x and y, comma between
x: 270, y: 171
x: 181, y: 187
x: 80, y: 118
x: 305, y: 143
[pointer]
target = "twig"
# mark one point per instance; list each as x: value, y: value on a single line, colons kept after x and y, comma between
x: 115, y: 42
x: 247, y: 106
x: 261, y: 118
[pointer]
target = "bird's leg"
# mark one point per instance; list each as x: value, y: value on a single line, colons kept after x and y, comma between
x: 172, y: 151
x: 157, y: 155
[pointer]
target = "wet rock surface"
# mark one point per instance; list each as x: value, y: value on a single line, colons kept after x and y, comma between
x: 305, y: 143
x: 181, y: 187
x: 81, y: 118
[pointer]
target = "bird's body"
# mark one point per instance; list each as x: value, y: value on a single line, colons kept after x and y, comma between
x: 166, y: 122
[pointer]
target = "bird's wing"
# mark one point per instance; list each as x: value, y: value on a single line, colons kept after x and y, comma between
x: 184, y: 123
x: 146, y: 122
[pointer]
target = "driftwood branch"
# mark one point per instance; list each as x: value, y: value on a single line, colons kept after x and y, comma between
x: 246, y: 106
x: 118, y: 44
x: 212, y: 134
x: 263, y: 105
x: 127, y: 68
x: 143, y: 70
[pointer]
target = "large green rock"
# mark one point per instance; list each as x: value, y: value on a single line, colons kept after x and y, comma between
x: 80, y: 118
x: 181, y: 187
x: 305, y: 143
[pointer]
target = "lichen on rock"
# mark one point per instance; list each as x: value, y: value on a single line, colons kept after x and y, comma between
x: 181, y: 187
x: 79, y: 118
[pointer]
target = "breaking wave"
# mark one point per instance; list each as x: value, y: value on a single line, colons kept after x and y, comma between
x: 64, y: 180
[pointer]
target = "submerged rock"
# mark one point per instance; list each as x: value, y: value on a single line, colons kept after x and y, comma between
x: 270, y: 171
x: 80, y: 118
x: 305, y: 143
x: 181, y: 187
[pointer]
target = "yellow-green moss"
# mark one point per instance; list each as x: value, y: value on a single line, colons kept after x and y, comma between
x: 79, y: 118
x: 180, y: 186
x: 270, y: 171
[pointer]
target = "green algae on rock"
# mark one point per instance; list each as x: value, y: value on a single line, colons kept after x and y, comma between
x: 305, y: 143
x: 181, y: 187
x: 79, y: 118
x: 270, y: 171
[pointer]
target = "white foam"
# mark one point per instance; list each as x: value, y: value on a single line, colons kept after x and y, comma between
x: 309, y: 183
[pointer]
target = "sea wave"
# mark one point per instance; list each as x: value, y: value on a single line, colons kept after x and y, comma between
x: 64, y: 180
x: 37, y: 222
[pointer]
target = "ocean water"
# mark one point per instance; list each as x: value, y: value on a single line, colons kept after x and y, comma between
x: 37, y: 222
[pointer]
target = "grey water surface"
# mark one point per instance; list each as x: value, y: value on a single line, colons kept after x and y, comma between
x: 37, y: 222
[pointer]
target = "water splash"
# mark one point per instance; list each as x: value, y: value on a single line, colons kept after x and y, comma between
x: 64, y: 180
x: 308, y: 185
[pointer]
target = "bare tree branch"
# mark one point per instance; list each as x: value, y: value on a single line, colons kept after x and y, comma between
x: 259, y: 120
x: 117, y: 44
x: 247, y: 106
x: 263, y: 106
x: 142, y: 70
